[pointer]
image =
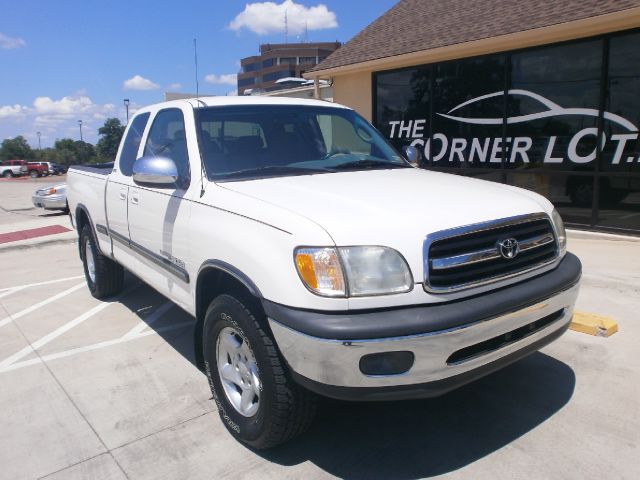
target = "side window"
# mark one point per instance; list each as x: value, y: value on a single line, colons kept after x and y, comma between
x: 132, y: 143
x: 167, y: 139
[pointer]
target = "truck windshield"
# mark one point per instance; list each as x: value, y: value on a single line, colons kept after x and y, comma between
x: 258, y: 141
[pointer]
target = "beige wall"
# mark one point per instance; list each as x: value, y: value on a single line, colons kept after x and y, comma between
x: 354, y: 90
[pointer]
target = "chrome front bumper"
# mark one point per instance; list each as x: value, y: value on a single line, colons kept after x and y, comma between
x: 50, y: 202
x: 337, y: 362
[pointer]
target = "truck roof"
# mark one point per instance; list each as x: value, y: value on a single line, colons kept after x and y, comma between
x: 227, y: 101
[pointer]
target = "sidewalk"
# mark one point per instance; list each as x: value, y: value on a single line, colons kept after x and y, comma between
x: 19, y: 219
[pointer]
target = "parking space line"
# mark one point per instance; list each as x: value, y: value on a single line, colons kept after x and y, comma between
x: 38, y: 284
x: 96, y: 346
x: 47, y: 301
x: 31, y: 348
x: 135, y: 331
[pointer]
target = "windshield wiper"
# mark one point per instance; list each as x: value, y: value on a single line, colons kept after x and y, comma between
x: 270, y: 170
x: 368, y: 163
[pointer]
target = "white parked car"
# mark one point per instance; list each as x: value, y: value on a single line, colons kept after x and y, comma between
x: 53, y: 197
x: 317, y: 260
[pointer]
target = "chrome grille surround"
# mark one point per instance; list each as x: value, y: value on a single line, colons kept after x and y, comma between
x: 434, y: 265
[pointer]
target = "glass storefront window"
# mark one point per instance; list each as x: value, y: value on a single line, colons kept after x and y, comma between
x: 403, y: 106
x: 622, y: 103
x: 537, y: 128
x: 570, y: 194
x: 553, y: 106
x: 468, y: 106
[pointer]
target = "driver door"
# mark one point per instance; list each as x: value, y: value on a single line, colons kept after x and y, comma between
x: 158, y: 216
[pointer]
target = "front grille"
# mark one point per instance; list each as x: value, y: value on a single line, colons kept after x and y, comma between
x: 471, y: 256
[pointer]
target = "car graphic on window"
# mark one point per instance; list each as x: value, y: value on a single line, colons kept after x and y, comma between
x: 547, y: 109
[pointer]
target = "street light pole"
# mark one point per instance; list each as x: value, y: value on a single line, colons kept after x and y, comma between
x: 80, y: 123
x: 39, y: 146
x: 126, y: 105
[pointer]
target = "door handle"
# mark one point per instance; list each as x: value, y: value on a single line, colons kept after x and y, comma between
x: 123, y: 194
x: 135, y: 198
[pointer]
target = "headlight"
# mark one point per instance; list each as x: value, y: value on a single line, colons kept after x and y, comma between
x: 320, y: 270
x: 367, y: 271
x: 560, y: 232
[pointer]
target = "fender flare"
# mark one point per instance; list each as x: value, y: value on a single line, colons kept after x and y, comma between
x: 85, y: 210
x: 234, y: 272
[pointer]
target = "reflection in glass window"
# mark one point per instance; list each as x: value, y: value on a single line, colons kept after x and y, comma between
x: 468, y: 113
x: 403, y: 104
x: 129, y: 152
x: 622, y: 149
x: 552, y: 106
x: 167, y: 138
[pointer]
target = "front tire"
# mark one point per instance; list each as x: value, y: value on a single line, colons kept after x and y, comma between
x: 257, y: 400
x: 8, y: 174
x: 104, y: 276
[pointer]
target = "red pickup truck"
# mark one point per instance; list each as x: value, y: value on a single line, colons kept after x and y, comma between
x: 37, y: 169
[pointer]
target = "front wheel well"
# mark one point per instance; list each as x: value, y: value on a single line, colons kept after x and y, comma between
x: 211, y: 283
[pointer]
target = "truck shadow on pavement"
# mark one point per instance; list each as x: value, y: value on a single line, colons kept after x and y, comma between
x: 423, y: 438
x: 409, y: 439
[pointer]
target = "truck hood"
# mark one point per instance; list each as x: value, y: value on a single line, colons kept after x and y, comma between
x: 395, y: 208
x: 369, y: 206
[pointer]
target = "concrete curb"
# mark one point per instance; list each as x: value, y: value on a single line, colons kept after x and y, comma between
x: 43, y: 243
x: 588, y: 235
x: 592, y: 324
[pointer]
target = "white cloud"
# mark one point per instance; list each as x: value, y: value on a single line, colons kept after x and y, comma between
x: 174, y: 86
x: 64, y: 106
x: 8, y: 42
x: 57, y: 117
x: 264, y: 18
x: 224, y: 79
x: 139, y: 83
x: 13, y: 111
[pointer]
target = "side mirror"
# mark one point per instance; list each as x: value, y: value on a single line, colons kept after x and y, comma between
x: 412, y: 154
x: 155, y: 172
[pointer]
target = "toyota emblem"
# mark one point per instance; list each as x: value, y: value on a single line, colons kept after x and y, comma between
x: 508, y: 248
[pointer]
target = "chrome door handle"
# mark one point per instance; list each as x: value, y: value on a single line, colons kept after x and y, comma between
x: 123, y: 194
x: 134, y: 198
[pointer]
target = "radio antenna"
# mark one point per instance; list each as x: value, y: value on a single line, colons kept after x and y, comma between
x: 286, y: 28
x: 195, y: 54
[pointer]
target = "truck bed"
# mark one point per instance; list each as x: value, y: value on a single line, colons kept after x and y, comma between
x: 99, y: 168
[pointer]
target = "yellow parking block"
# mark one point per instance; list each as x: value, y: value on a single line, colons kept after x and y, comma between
x: 593, y: 324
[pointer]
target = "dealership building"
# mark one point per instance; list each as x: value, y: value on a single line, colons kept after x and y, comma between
x: 543, y: 95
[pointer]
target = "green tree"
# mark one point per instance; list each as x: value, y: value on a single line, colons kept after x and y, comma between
x: 85, y: 152
x: 111, y: 134
x: 16, y: 148
x: 67, y: 152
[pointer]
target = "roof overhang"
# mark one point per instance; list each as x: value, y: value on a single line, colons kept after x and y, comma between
x: 588, y: 27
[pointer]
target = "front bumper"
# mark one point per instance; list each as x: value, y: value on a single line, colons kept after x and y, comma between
x: 453, y: 345
x: 50, y: 202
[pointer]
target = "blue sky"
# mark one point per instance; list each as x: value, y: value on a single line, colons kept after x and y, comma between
x: 65, y: 60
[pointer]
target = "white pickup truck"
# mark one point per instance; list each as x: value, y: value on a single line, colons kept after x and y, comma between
x: 316, y: 259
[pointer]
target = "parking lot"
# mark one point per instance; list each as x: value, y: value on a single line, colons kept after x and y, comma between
x: 109, y: 390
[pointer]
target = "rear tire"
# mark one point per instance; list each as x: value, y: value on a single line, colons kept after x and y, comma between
x: 8, y: 174
x: 33, y: 174
x: 104, y: 276
x: 277, y: 408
